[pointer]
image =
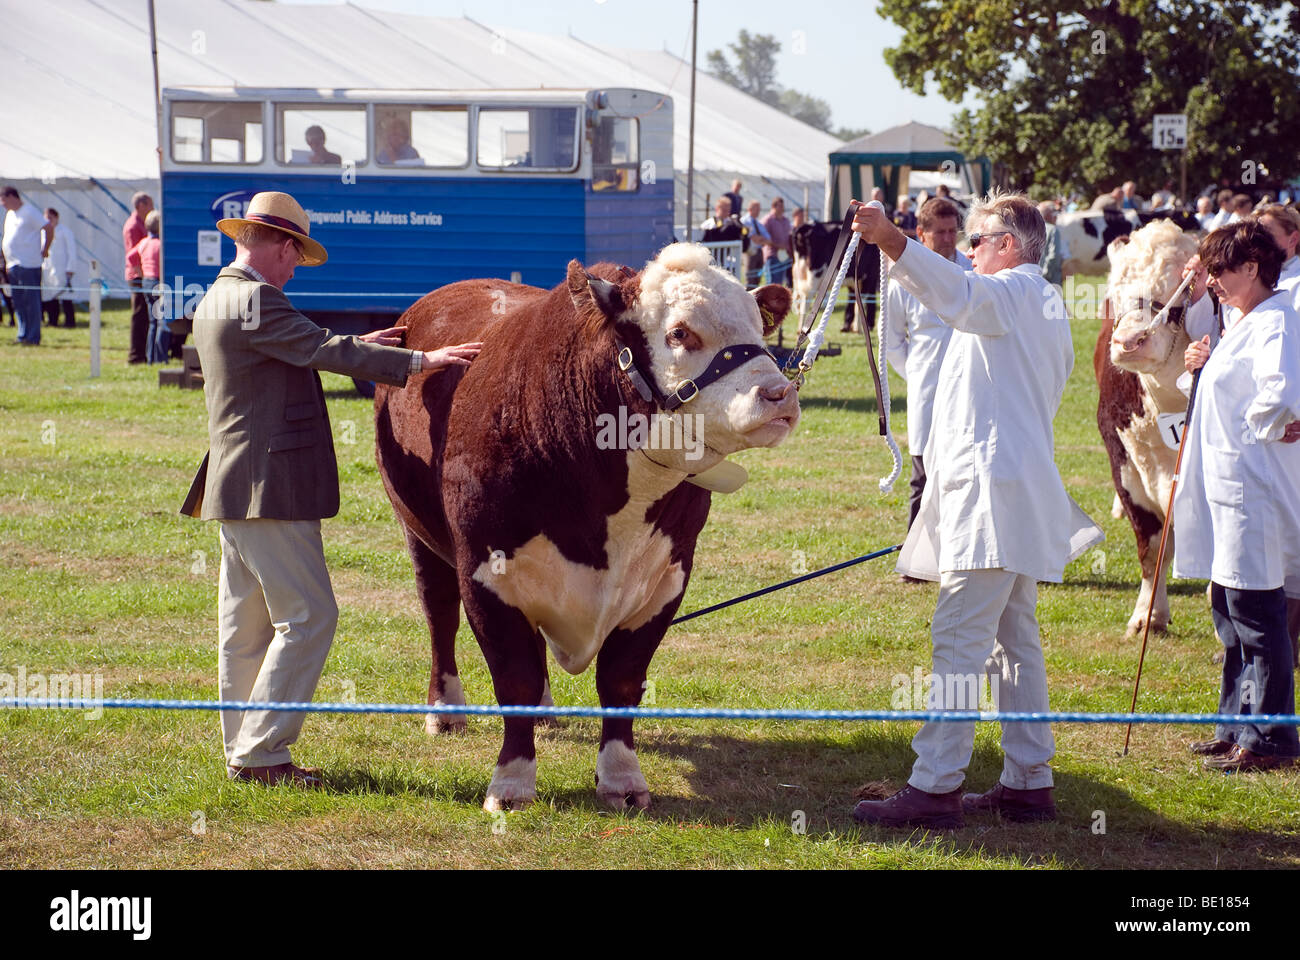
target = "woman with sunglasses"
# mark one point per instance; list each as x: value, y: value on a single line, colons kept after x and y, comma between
x: 1237, y: 507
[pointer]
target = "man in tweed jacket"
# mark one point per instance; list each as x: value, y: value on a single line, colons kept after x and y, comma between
x: 270, y: 475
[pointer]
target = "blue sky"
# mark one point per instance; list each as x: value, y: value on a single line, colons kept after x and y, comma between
x: 834, y: 33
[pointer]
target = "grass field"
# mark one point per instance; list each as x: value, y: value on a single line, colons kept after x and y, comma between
x: 100, y: 575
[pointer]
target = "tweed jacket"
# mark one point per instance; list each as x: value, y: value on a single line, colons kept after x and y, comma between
x: 270, y: 446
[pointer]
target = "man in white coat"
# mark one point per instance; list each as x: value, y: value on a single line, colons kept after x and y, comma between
x: 995, y: 517
x: 915, y: 339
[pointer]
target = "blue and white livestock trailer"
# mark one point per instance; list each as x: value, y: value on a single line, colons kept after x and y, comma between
x: 409, y: 190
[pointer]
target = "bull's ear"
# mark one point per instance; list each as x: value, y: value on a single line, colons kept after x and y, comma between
x: 588, y: 291
x: 773, y: 304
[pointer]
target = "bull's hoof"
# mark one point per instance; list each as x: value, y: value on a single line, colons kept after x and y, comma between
x: 513, y: 786
x: 619, y: 781
x: 617, y: 800
x: 1135, y: 628
x: 440, y: 723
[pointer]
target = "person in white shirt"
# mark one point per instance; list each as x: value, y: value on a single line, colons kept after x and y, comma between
x: 1204, y: 211
x: 56, y: 274
x: 1224, y: 213
x: 24, y: 251
x: 1237, y: 507
x: 1283, y: 225
x: 758, y: 236
x: 915, y: 340
x: 995, y: 518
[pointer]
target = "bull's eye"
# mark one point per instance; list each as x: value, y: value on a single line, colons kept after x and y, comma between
x: 683, y: 337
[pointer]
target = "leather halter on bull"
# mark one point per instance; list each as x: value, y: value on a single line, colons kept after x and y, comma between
x: 814, y: 335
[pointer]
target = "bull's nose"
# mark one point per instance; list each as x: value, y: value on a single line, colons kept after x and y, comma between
x: 775, y: 393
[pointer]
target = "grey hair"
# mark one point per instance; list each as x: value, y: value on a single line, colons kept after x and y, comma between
x: 250, y: 235
x: 139, y: 198
x: 1016, y: 214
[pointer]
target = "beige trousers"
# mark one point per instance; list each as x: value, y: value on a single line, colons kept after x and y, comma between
x: 985, y: 635
x: 277, y: 616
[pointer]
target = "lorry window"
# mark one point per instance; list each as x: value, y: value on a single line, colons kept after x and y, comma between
x: 421, y: 136
x: 615, y: 149
x: 326, y: 136
x: 210, y: 132
x: 520, y: 139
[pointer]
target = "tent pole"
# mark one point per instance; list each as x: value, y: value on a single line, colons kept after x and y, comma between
x: 690, y: 149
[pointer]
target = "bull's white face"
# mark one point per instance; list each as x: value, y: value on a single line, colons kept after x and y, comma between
x: 688, y: 310
x: 1146, y: 271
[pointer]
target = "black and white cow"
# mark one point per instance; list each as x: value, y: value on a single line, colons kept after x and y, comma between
x: 814, y: 244
x: 1089, y: 233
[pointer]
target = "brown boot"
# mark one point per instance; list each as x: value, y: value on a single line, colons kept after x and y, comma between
x: 911, y: 807
x: 1018, y: 806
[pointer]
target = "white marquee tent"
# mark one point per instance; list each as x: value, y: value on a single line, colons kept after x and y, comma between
x: 80, y: 129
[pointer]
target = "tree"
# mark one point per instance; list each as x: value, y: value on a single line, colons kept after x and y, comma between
x: 755, y: 73
x: 1067, y: 88
x: 755, y: 70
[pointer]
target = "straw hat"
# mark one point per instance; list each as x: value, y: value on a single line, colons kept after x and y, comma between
x: 279, y: 211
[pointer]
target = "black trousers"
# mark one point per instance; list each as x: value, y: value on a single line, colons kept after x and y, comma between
x: 1257, y: 667
x: 139, y: 323
x: 51, y: 308
x: 918, y: 487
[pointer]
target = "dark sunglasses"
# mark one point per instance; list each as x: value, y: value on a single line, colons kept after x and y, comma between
x: 977, y: 238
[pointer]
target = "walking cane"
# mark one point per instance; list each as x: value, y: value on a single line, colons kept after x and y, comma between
x: 1169, y: 520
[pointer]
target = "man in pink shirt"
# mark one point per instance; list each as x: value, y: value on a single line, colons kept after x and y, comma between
x: 778, y: 254
x: 132, y: 233
x: 146, y: 257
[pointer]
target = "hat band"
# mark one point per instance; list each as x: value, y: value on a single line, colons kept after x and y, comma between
x: 272, y: 221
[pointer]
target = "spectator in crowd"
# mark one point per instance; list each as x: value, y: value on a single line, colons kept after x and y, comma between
x: 778, y: 253
x: 904, y: 218
x: 1204, y: 212
x: 147, y: 258
x: 1237, y: 507
x: 1224, y: 213
x: 133, y: 231
x: 798, y: 218
x: 737, y: 201
x: 1129, y: 199
x: 1056, y: 250
x: 995, y: 518
x: 24, y: 252
x: 721, y: 215
x: 942, y: 191
x: 878, y: 195
x: 57, y: 272
x: 1242, y: 207
x: 915, y: 341
x: 315, y: 137
x: 759, y: 240
x: 395, y: 135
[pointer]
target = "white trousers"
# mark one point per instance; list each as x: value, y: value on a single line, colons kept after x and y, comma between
x: 985, y: 632
x: 277, y: 616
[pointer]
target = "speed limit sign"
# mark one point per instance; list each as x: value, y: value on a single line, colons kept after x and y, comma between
x: 1169, y: 131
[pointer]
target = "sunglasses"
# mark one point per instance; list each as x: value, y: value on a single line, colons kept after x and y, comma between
x: 977, y: 238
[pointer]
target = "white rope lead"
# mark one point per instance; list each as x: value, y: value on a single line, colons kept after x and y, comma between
x: 882, y: 318
x: 818, y: 336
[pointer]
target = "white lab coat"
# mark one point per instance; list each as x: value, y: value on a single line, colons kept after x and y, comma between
x: 993, y: 496
x: 1289, y: 281
x: 55, y: 267
x: 1237, y: 506
x: 915, y: 341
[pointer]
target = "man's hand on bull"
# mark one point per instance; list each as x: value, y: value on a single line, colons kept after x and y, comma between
x: 458, y: 356
x: 1197, y: 289
x: 1197, y: 352
x: 877, y: 228
x: 392, y: 337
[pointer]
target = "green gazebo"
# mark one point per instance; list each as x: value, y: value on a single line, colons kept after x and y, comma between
x: 887, y: 160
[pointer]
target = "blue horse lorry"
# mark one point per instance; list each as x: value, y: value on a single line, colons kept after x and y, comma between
x: 409, y: 190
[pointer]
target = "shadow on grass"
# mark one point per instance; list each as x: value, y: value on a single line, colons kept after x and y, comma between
x: 862, y: 404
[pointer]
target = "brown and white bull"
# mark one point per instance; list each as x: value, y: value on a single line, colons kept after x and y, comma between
x: 1139, y: 403
x: 518, y: 502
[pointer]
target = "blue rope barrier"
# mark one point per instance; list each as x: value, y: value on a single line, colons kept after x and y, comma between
x: 651, y: 713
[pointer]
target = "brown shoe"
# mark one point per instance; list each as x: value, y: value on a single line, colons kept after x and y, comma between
x: 1212, y: 748
x: 1018, y: 806
x: 1240, y: 760
x: 911, y: 807
x: 306, y: 777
